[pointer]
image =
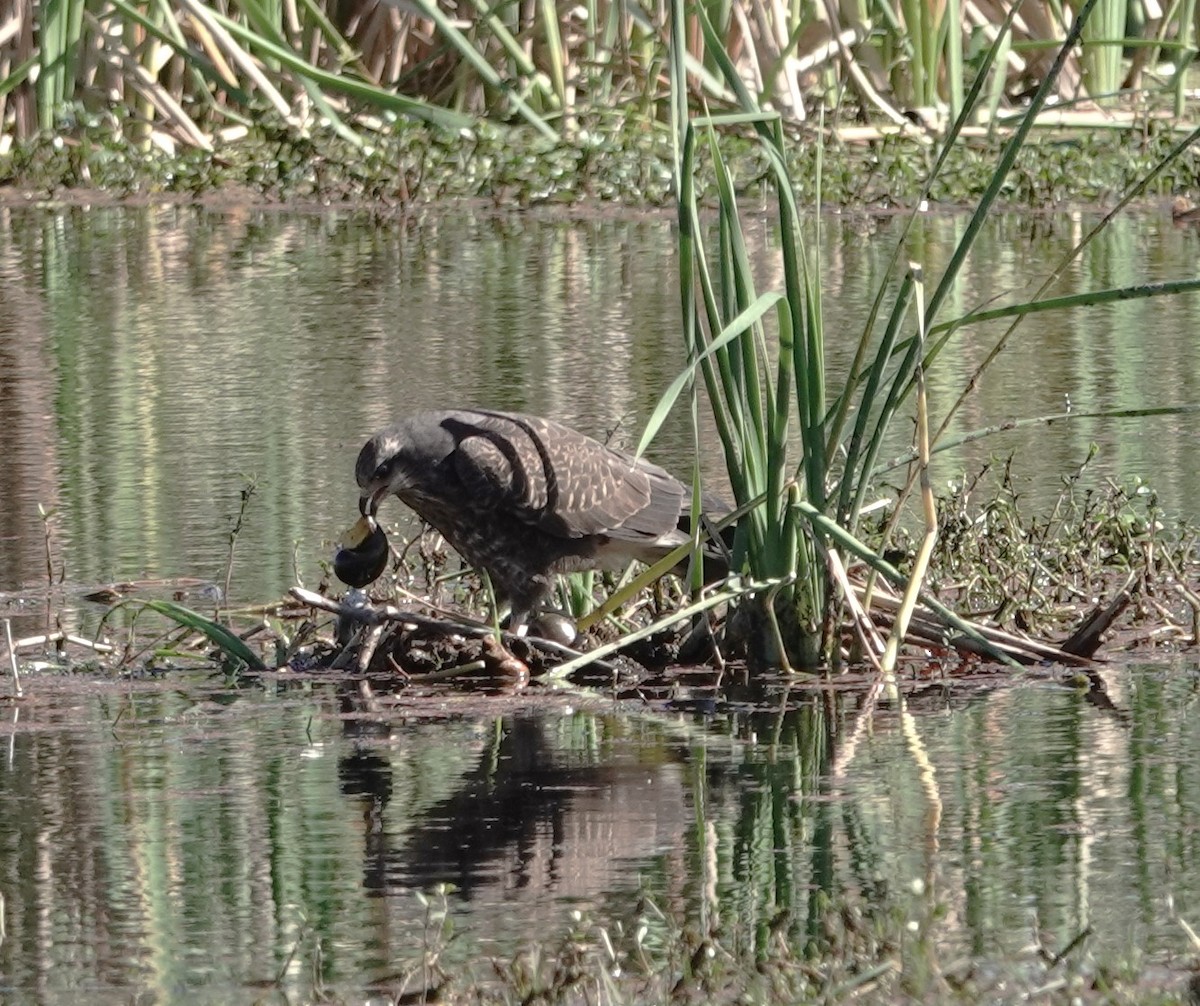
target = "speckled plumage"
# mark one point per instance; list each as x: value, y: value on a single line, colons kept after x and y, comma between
x: 523, y: 497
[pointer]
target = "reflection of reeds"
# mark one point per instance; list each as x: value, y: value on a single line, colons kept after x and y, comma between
x: 183, y: 71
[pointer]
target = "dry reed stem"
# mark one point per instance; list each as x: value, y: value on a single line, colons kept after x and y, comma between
x: 145, y: 84
x: 870, y: 96
x: 929, y: 506
x: 240, y: 57
x: 64, y: 637
x: 873, y: 644
x: 775, y: 46
x: 209, y: 47
x: 12, y: 658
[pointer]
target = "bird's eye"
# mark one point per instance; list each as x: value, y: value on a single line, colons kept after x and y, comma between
x: 383, y: 471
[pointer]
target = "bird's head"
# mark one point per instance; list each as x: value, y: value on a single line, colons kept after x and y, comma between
x: 398, y: 459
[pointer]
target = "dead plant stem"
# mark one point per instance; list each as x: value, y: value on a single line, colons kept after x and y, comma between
x: 249, y: 487
x: 925, y: 553
x: 12, y: 658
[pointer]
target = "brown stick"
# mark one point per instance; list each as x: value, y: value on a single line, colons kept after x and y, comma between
x: 1085, y: 640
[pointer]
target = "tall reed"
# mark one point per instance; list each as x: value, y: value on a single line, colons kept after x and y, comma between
x: 801, y: 454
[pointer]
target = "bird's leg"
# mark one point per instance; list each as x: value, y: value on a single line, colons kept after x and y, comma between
x: 515, y: 620
x: 519, y: 610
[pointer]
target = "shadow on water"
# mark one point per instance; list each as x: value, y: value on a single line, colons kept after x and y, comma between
x: 528, y: 817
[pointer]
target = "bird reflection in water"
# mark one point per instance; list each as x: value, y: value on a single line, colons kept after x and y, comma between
x: 528, y: 818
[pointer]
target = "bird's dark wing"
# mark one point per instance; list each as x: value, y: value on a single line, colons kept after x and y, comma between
x: 559, y: 480
x: 668, y: 497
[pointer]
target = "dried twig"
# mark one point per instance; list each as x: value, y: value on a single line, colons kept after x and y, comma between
x: 63, y: 637
x: 12, y: 658
x: 381, y: 615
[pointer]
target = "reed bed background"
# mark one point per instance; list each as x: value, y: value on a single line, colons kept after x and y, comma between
x: 184, y: 72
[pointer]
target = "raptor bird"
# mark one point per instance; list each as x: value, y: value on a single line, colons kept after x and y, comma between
x: 523, y: 497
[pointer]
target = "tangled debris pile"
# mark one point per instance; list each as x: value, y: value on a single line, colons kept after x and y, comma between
x: 1099, y: 556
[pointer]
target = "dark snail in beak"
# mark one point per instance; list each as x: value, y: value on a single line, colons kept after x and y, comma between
x: 363, y: 555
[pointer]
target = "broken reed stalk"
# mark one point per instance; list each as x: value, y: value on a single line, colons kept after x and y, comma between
x: 46, y: 513
x: 46, y: 638
x: 249, y: 487
x: 872, y: 643
x: 925, y: 553
x: 733, y: 588
x: 12, y: 658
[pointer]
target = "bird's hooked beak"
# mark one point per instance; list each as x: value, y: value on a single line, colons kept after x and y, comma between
x: 368, y: 502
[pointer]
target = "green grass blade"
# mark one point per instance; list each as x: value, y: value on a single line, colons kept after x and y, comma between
x: 1151, y: 290
x: 449, y: 31
x: 360, y: 90
x: 1087, y: 299
x: 856, y: 471
x: 345, y: 52
x: 735, y: 329
x: 221, y: 637
x: 18, y: 76
x: 1031, y: 422
x: 1007, y: 158
x: 504, y: 38
x: 843, y: 404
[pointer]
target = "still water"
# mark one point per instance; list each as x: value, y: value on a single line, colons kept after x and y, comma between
x: 156, y: 361
x: 195, y: 845
x: 192, y: 843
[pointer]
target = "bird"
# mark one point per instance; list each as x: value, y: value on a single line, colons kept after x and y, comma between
x: 524, y: 498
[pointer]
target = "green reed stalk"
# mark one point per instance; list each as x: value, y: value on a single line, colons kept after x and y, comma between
x: 904, y: 378
x: 784, y: 493
x: 266, y: 18
x: 863, y: 449
x: 859, y: 468
x: 618, y: 52
x: 58, y: 42
x: 315, y: 17
x: 548, y: 22
x: 921, y: 44
x: 500, y: 34
x: 952, y: 47
x: 459, y: 41
x: 369, y: 94
x: 1186, y: 26
x: 607, y: 47
x: 732, y: 349
x: 1100, y: 59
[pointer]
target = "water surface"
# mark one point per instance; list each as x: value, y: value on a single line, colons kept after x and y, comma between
x: 198, y: 844
x: 193, y: 842
x: 156, y: 361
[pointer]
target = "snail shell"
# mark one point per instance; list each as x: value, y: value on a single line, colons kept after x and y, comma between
x: 363, y: 555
